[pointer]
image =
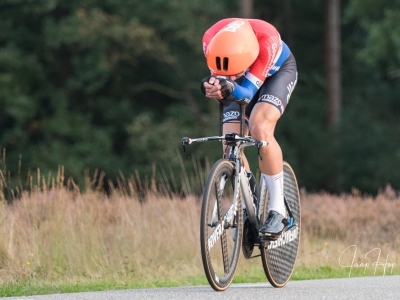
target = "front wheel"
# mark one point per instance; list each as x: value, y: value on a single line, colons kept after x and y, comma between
x: 279, y: 257
x: 221, y: 225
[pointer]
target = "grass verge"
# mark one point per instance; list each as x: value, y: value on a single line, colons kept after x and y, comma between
x: 61, y: 240
x: 35, y: 287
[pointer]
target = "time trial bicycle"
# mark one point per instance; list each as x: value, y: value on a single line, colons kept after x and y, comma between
x: 234, y: 208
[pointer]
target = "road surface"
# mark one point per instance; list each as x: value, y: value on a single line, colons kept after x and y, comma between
x: 378, y: 287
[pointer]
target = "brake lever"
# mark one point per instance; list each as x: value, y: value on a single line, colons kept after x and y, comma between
x: 186, y: 141
x: 260, y: 144
x: 184, y: 151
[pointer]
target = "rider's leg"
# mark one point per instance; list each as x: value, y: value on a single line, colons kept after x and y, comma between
x: 262, y: 125
x: 265, y: 110
x: 263, y: 120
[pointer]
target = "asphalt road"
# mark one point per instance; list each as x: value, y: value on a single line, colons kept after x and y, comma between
x: 379, y: 287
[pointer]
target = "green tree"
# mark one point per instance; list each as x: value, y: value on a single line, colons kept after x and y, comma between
x: 114, y: 85
x: 75, y: 76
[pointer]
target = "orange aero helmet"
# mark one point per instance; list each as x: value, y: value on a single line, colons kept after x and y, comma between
x: 233, y: 49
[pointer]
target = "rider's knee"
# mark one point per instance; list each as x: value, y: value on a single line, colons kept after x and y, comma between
x: 262, y: 131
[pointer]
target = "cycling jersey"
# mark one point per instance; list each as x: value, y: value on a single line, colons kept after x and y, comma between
x: 273, y: 53
x: 275, y: 91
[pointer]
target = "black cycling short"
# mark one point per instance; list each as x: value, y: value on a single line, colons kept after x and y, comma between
x: 276, y: 90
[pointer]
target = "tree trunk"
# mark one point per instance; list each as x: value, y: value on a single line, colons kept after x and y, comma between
x: 288, y: 21
x: 333, y: 60
x: 246, y: 9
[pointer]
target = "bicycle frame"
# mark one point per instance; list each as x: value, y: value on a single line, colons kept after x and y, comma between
x: 236, y: 143
x: 278, y: 253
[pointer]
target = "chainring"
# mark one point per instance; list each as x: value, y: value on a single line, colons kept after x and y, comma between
x: 248, y: 239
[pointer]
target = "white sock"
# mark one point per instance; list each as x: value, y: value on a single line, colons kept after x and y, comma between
x: 275, y: 190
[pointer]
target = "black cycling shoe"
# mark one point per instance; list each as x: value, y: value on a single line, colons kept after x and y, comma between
x: 274, y: 225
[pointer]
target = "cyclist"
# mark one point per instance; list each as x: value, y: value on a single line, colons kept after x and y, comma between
x: 248, y: 59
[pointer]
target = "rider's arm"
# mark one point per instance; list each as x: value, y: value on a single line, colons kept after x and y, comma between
x: 246, y: 90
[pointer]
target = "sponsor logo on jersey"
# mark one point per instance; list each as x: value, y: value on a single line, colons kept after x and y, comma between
x: 231, y: 115
x: 274, y: 53
x: 232, y: 27
x: 271, y: 58
x: 274, y: 46
x: 271, y: 99
x: 290, y: 88
x: 254, y: 80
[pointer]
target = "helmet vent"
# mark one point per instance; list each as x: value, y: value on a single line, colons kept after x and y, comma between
x: 225, y: 64
x: 218, y: 60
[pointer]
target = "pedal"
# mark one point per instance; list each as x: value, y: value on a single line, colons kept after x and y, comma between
x: 274, y: 236
x: 269, y: 238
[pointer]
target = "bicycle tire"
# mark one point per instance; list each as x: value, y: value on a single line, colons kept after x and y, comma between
x: 279, y: 257
x: 220, y: 251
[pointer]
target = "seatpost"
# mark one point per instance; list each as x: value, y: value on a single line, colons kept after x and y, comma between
x: 242, y: 112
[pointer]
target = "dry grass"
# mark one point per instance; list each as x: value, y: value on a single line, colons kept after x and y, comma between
x: 58, y: 232
x: 330, y: 224
x: 83, y: 236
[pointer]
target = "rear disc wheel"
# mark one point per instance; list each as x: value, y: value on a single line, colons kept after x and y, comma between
x: 279, y: 257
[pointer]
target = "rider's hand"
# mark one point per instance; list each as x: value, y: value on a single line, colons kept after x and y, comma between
x: 227, y: 86
x: 217, y: 88
x: 211, y: 88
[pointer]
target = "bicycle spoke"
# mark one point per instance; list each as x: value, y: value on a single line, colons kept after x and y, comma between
x: 220, y: 243
x: 224, y: 246
x: 225, y: 257
x: 214, y: 213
